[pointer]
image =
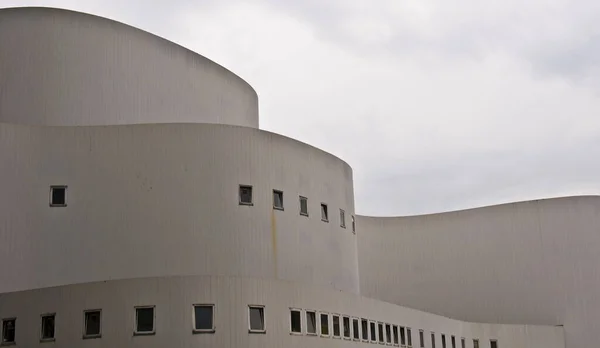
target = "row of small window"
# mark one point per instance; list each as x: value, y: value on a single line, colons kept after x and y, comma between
x: 338, y: 326
x: 246, y: 199
x: 203, y: 317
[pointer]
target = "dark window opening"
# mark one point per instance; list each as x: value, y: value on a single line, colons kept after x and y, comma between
x: 277, y: 199
x: 246, y: 194
x: 48, y: 327
x: 355, y: 329
x: 257, y: 319
x: 325, y: 324
x: 388, y: 333
x: 303, y: 206
x: 144, y: 320
x: 311, y: 323
x: 92, y: 324
x: 58, y: 196
x: 203, y: 318
x: 9, y: 330
x: 296, y: 321
x: 395, y: 333
x: 373, y: 331
x: 365, y: 329
x: 324, y: 213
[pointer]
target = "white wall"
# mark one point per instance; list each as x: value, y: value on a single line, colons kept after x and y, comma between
x: 531, y: 262
x: 60, y: 67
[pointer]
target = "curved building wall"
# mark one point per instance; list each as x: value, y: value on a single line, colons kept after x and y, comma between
x: 66, y: 68
x: 174, y: 297
x: 162, y: 200
x: 532, y: 262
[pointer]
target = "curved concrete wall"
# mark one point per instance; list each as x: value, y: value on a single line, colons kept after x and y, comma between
x: 532, y: 262
x: 66, y: 68
x: 162, y: 200
x: 175, y: 296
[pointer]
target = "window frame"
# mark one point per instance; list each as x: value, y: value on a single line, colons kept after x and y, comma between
x: 381, y: 332
x: 314, y: 312
x: 373, y: 333
x: 201, y: 331
x: 321, y: 325
x: 300, y: 199
x: 342, y: 218
x: 395, y: 335
x: 409, y: 337
x: 494, y: 340
x: 243, y: 186
x: 443, y: 339
x: 463, y: 342
x: 476, y: 340
x: 280, y: 194
x: 42, y: 317
x: 338, y: 316
x: 298, y: 310
x: 362, y: 331
x: 264, y: 319
x: 52, y: 188
x: 85, y: 334
x: 388, y: 334
x: 421, y: 339
x: 135, y: 328
x: 432, y: 339
x: 355, y: 337
x: 324, y: 213
x: 402, y: 330
x: 344, y: 317
x: 453, y: 341
x: 3, y: 341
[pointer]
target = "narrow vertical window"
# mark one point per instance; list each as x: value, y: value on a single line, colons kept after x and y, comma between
x: 432, y: 340
x: 256, y: 319
x: 422, y: 339
x: 245, y: 195
x: 347, y: 329
x: 373, y: 329
x: 144, y: 320
x: 462, y: 343
x: 365, y: 329
x: 388, y: 333
x: 409, y: 336
x: 324, y: 317
x: 453, y: 341
x: 204, y: 318
x: 324, y: 213
x: 443, y: 341
x: 277, y: 199
x: 311, y: 322
x: 353, y: 225
x: 47, y: 331
x: 342, y: 218
x: 92, y: 320
x: 9, y: 330
x: 475, y: 343
x: 395, y: 334
x: 335, y: 321
x: 303, y: 206
x: 493, y: 344
x: 380, y: 332
x: 58, y: 196
x: 295, y: 321
x: 402, y: 336
x: 355, y: 329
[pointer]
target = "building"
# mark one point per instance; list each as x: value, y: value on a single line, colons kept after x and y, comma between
x: 142, y: 206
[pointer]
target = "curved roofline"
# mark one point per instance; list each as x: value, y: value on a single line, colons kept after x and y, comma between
x: 498, y: 205
x: 114, y: 21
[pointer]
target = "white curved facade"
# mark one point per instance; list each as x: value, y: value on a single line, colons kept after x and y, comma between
x: 152, y: 144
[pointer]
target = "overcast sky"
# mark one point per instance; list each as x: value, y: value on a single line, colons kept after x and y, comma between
x: 437, y: 105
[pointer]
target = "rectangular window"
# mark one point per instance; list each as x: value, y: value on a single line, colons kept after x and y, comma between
x: 453, y: 341
x: 324, y: 317
x: 373, y: 329
x: 443, y: 341
x: 462, y: 343
x: 256, y: 319
x: 388, y: 333
x: 295, y: 321
x: 92, y: 320
x: 245, y: 194
x: 144, y: 320
x: 204, y: 318
x: 432, y: 340
x: 409, y: 336
x: 311, y: 322
x: 347, y: 329
x: 355, y: 329
x: 335, y: 321
x: 493, y: 344
x: 380, y: 332
x: 475, y: 343
x: 353, y: 225
x: 303, y: 206
x: 402, y: 336
x: 422, y: 339
x: 324, y: 213
x: 58, y: 196
x: 278, y: 199
x: 395, y: 334
x: 9, y: 327
x: 342, y: 218
x: 365, y: 329
x: 47, y: 332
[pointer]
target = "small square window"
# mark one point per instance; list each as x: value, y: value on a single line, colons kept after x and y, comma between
x: 475, y: 343
x: 256, y: 319
x: 422, y: 339
x: 443, y: 341
x: 388, y: 333
x: 277, y: 200
x: 58, y: 196
x: 409, y: 336
x: 347, y: 328
x: 335, y: 321
x: 395, y: 334
x: 311, y: 322
x: 365, y: 329
x: 462, y: 343
x: 453, y: 341
x: 144, y: 320
x: 493, y: 344
x: 9, y: 327
x: 324, y: 213
x: 432, y: 340
x: 47, y: 332
x: 245, y: 195
x: 295, y: 321
x: 324, y: 317
x: 402, y: 336
x: 355, y: 329
x: 342, y: 218
x: 92, y: 323
x: 373, y: 329
x: 303, y: 206
x: 204, y: 318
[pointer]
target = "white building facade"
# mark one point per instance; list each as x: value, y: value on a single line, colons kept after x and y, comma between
x: 143, y: 207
